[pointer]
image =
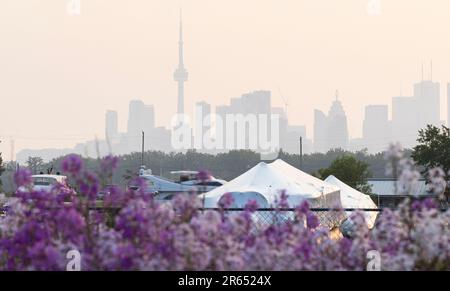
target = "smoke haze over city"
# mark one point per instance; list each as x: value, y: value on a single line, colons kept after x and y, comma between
x: 60, y: 73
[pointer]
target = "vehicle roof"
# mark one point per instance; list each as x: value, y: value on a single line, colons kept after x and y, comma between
x: 184, y: 172
x: 57, y: 177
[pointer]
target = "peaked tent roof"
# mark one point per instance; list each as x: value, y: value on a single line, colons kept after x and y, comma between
x: 265, y: 182
x: 301, y: 177
x: 352, y: 198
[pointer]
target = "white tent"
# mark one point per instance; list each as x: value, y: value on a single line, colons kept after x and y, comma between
x: 265, y: 182
x: 351, y: 198
x: 300, y: 177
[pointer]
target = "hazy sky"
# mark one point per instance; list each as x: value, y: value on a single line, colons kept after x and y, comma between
x: 60, y: 73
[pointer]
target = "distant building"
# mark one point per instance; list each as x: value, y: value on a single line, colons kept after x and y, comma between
x: 409, y: 114
x: 405, y: 120
x: 291, y: 142
x: 389, y: 192
x: 135, y: 112
x: 337, y: 126
x: 427, y: 94
x: 376, y: 128
x: 284, y: 138
x: 331, y: 131
x: 257, y: 102
x: 262, y: 121
x: 204, y: 124
x: 148, y: 118
x: 248, y: 106
x: 158, y: 139
x: 320, y: 131
x: 111, y: 124
x: 141, y: 117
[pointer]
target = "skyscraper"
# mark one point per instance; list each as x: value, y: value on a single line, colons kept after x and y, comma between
x: 410, y: 114
x: 405, y: 120
x: 337, y: 126
x: 320, y: 131
x: 135, y: 112
x: 203, y: 123
x: 111, y: 124
x: 427, y: 94
x: 148, y: 118
x: 376, y: 128
x: 331, y: 131
x: 181, y: 75
x: 250, y: 120
x: 141, y: 117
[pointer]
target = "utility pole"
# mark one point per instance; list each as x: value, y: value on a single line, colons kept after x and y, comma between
x: 142, y: 152
x: 12, y: 150
x: 301, y: 153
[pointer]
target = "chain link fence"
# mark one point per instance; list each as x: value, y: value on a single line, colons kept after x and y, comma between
x: 327, y: 217
x: 262, y: 218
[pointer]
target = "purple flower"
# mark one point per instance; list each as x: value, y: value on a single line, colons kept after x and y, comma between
x: 140, y: 184
x: 72, y: 164
x: 251, y: 206
x: 429, y: 203
x: 89, y: 185
x: 226, y: 200
x: 204, y: 175
x: 305, y: 249
x: 39, y: 229
x: 22, y: 177
x: 311, y: 220
x: 109, y: 164
x: 302, y: 208
x: 418, y: 205
x: 437, y: 181
x: 283, y: 202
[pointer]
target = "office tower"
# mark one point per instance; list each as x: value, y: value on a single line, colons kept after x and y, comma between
x: 135, y: 113
x: 285, y: 139
x: 330, y: 131
x: 427, y: 94
x: 320, y: 131
x: 337, y: 132
x: 148, y: 118
x: 247, y: 112
x: 410, y: 114
x: 202, y: 123
x: 291, y: 142
x: 221, y: 127
x: 111, y: 124
x: 405, y: 120
x: 141, y: 117
x: 376, y: 128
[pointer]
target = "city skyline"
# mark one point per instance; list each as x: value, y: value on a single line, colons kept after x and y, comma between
x: 225, y: 70
x: 410, y: 113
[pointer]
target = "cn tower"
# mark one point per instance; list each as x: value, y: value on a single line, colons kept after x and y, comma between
x: 181, y: 75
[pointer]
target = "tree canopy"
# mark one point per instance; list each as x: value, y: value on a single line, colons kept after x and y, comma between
x: 433, y: 149
x: 35, y: 164
x: 351, y: 171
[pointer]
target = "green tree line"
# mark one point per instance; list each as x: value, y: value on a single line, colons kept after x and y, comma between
x: 223, y: 165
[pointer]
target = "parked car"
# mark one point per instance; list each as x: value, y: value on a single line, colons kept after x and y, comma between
x: 45, y: 182
x: 183, y: 182
x: 104, y: 192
